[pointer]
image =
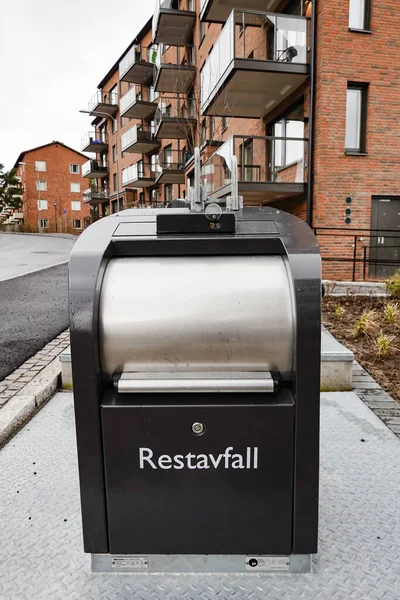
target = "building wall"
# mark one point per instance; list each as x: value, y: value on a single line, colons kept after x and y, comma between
x: 58, y: 194
x: 346, y: 56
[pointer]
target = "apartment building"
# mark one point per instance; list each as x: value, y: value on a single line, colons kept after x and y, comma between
x: 303, y: 92
x: 52, y: 178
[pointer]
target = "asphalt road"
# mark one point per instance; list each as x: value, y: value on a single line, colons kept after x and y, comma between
x: 21, y: 254
x: 33, y: 307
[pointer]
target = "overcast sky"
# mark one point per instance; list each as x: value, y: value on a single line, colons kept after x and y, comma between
x: 54, y: 53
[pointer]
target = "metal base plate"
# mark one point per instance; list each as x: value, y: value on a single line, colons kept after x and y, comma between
x: 129, y: 563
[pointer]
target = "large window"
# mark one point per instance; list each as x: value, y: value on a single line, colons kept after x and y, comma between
x: 359, y: 14
x: 287, y: 150
x: 356, y: 117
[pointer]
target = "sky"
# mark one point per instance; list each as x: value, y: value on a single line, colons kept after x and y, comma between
x: 54, y: 53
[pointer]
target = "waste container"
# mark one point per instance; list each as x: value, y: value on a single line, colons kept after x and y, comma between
x: 195, y: 343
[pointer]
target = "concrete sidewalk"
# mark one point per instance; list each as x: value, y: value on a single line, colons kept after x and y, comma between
x: 41, y: 554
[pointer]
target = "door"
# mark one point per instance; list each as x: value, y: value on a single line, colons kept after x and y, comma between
x: 385, y: 239
x: 246, y: 161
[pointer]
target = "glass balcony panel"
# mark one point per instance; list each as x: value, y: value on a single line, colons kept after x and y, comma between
x: 258, y: 60
x: 275, y: 163
x: 137, y: 64
x: 138, y: 175
x: 94, y: 141
x: 106, y: 101
x: 173, y: 21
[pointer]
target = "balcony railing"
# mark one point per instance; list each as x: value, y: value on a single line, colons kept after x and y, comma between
x: 269, y: 168
x: 174, y: 118
x: 96, y: 195
x: 103, y: 102
x: 218, y: 11
x: 138, y: 103
x: 258, y: 60
x: 95, y: 168
x: 139, y: 139
x: 137, y: 65
x: 94, y: 141
x: 171, y: 166
x: 175, y: 69
x: 173, y: 22
x: 139, y: 175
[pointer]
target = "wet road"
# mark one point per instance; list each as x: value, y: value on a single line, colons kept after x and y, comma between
x: 33, y: 307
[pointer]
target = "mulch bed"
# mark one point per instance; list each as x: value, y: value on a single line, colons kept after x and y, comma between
x: 385, y: 371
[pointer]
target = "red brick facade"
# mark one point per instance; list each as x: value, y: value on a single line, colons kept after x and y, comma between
x: 61, y: 204
x: 342, y: 56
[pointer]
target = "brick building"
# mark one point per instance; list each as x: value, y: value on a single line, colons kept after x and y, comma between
x: 51, y: 176
x: 304, y: 93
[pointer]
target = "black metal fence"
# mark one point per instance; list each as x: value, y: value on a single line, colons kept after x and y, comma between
x: 359, y: 253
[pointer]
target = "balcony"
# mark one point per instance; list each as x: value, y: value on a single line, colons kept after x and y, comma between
x: 175, y: 69
x: 95, y: 169
x: 103, y: 103
x: 171, y: 167
x: 133, y: 105
x: 139, y: 139
x: 174, y: 118
x: 269, y: 169
x: 173, y: 22
x: 94, y: 141
x: 96, y: 195
x: 140, y: 175
x: 137, y: 66
x: 258, y: 60
x: 218, y: 11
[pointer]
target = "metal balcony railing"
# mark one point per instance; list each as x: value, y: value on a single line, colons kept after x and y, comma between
x: 101, y: 97
x: 171, y: 160
x: 93, y: 139
x: 261, y: 159
x: 282, y: 39
x: 137, y: 54
x: 137, y: 172
x: 96, y: 194
x: 95, y: 168
x: 174, y: 110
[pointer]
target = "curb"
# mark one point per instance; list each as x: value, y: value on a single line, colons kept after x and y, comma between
x: 22, y: 407
x: 69, y: 236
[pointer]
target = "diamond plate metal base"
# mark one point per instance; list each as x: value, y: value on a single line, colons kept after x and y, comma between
x: 41, y: 553
x: 106, y: 563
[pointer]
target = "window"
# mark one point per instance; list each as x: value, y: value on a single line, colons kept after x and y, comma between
x: 121, y: 204
x: 202, y: 31
x: 74, y: 169
x: 203, y: 133
x: 43, y: 205
x: 75, y: 205
x: 211, y: 128
x: 356, y: 117
x: 360, y: 14
x: 168, y: 192
x: 114, y: 153
x: 40, y: 165
x: 289, y: 151
x: 41, y: 186
x: 114, y: 182
x: 43, y: 223
x: 76, y: 224
x: 75, y: 188
x: 224, y: 121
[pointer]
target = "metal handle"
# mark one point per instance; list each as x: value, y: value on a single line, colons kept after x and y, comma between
x: 194, y: 383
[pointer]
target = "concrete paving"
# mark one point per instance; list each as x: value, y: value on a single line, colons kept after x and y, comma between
x: 21, y: 254
x: 41, y: 553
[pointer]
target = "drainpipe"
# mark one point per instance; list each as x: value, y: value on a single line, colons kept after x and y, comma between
x: 312, y: 114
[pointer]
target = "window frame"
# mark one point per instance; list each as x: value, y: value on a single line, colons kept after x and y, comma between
x: 46, y: 207
x: 43, y: 223
x: 74, y: 183
x: 43, y: 162
x: 74, y: 226
x: 363, y: 88
x: 367, y: 16
x: 41, y: 189
x: 77, y: 172
x: 76, y: 202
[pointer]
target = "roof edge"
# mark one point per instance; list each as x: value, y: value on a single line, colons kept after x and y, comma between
x: 22, y: 154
